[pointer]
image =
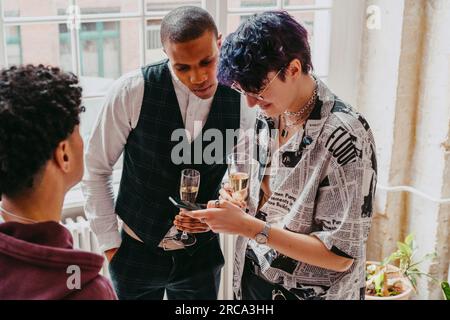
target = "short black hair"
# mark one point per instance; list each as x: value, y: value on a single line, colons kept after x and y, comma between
x: 39, y: 108
x: 264, y: 42
x: 186, y: 23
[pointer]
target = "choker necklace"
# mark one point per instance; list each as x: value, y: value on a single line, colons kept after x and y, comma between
x: 300, y: 113
x: 16, y: 216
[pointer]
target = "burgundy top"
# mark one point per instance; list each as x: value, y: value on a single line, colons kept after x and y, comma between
x: 36, y: 260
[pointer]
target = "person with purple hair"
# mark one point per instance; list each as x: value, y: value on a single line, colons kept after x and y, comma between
x: 303, y: 230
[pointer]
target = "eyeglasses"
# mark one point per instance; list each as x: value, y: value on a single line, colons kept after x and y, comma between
x: 257, y: 96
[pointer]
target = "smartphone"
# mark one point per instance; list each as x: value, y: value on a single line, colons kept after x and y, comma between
x: 181, y: 204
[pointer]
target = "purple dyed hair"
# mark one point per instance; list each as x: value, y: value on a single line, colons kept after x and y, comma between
x: 263, y: 43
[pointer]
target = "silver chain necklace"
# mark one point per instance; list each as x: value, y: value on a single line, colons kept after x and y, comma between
x: 307, y: 106
x: 16, y: 216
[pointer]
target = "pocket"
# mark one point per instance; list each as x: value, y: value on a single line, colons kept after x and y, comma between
x: 116, y: 255
x: 114, y: 258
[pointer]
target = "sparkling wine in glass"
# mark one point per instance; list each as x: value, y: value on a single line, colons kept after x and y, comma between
x: 238, y: 175
x: 189, y: 185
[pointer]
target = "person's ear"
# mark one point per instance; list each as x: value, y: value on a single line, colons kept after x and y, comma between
x: 295, y: 68
x: 219, y: 41
x: 61, y: 156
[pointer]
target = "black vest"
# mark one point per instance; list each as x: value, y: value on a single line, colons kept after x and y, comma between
x: 149, y: 175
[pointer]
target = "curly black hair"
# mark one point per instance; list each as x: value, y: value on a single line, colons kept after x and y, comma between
x: 39, y: 108
x: 264, y: 42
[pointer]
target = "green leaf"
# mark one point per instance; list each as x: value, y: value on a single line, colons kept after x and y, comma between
x: 409, y: 240
x: 378, y: 281
x: 414, y: 270
x: 393, y: 257
x: 445, y: 290
x: 413, y: 281
x: 404, y: 249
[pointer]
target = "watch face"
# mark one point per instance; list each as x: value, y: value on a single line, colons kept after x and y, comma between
x: 261, y: 238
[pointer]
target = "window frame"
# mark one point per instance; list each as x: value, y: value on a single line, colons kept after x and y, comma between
x: 15, y: 40
x: 151, y: 28
x: 98, y: 36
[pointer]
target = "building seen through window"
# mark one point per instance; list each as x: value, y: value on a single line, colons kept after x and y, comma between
x: 115, y: 37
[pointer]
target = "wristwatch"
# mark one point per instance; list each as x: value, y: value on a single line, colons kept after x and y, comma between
x: 263, y: 236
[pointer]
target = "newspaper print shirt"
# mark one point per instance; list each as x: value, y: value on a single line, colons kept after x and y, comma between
x: 323, y: 185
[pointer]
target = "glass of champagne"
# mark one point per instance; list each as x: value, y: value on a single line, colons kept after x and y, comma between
x: 189, y: 185
x: 238, y: 175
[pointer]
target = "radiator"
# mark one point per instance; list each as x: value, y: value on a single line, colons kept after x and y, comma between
x: 84, y: 239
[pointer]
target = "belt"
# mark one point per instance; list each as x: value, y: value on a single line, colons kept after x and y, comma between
x: 131, y: 233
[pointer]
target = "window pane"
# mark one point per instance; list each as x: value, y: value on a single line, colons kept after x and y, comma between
x: 233, y: 21
x: 130, y: 45
x: 13, y: 45
x: 107, y: 6
x: 153, y: 45
x: 65, y: 48
x: 167, y: 5
x: 296, y: 3
x: 39, y: 43
x: 153, y: 34
x: 112, y: 53
x: 33, y: 8
x: 318, y: 24
x: 100, y: 49
x: 109, y: 49
x: 90, y: 57
x: 251, y: 3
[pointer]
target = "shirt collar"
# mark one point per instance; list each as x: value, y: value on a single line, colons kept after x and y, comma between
x: 315, y: 120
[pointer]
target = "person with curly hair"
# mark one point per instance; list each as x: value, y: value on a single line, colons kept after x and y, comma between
x: 311, y: 193
x: 41, y: 158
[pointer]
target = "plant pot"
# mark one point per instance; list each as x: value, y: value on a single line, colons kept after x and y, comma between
x: 405, y: 295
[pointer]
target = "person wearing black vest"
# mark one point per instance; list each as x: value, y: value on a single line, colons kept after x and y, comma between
x: 142, y: 111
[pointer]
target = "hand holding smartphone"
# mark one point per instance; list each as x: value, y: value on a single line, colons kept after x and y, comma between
x: 181, y: 204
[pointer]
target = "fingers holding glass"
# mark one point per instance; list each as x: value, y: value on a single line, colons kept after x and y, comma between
x: 191, y: 225
x: 239, y: 166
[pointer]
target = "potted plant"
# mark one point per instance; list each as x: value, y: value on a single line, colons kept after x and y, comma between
x: 385, y: 281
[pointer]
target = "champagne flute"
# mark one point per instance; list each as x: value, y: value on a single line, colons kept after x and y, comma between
x: 238, y: 175
x: 189, y: 185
